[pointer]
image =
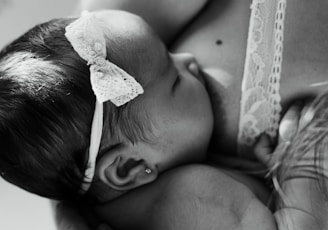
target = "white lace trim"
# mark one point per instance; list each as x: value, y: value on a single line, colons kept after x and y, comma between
x: 260, y: 99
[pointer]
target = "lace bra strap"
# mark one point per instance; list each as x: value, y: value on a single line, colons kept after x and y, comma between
x: 260, y: 98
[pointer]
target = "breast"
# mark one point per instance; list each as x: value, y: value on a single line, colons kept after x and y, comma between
x: 218, y: 40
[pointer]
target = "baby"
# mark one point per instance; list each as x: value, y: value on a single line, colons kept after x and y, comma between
x: 49, y: 84
x: 145, y: 111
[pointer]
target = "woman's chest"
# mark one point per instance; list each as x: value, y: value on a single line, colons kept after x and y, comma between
x: 218, y: 39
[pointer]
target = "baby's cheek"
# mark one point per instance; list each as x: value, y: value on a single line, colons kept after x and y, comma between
x: 214, y: 89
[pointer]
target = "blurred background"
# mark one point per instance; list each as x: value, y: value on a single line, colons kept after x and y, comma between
x: 19, y: 209
x: 17, y: 16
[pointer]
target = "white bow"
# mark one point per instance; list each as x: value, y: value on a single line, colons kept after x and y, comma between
x: 108, y: 81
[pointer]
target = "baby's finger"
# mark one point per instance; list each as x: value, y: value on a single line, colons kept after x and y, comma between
x: 263, y: 150
x: 289, y: 124
x: 306, y: 116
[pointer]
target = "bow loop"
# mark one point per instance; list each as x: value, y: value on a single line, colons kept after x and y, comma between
x: 108, y: 81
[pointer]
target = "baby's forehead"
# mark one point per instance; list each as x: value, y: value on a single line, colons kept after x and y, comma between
x: 131, y: 30
x: 134, y: 40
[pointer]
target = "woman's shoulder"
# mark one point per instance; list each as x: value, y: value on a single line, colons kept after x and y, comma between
x: 167, y: 18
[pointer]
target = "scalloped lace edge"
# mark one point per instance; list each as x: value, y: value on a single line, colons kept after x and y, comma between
x: 260, y: 98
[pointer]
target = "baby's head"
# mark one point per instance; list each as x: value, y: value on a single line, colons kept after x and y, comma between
x: 47, y: 107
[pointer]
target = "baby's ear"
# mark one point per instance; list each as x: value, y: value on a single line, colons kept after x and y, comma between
x: 122, y: 169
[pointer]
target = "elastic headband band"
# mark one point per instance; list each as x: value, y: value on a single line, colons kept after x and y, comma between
x: 95, y: 139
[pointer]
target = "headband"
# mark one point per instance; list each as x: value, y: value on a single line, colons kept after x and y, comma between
x: 108, y: 81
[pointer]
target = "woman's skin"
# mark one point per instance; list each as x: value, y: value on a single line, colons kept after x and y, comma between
x: 218, y: 40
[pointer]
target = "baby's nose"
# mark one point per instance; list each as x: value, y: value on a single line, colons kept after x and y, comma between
x: 190, y: 62
x: 193, y: 67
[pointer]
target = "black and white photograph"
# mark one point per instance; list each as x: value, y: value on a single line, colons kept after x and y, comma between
x: 164, y: 114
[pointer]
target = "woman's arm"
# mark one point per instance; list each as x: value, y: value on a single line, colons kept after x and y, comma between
x: 202, y: 197
x: 166, y: 17
x: 189, y: 197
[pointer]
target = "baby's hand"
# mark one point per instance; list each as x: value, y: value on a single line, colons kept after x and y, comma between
x: 294, y: 120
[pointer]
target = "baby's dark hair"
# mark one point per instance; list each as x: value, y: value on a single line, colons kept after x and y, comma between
x: 46, y: 110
